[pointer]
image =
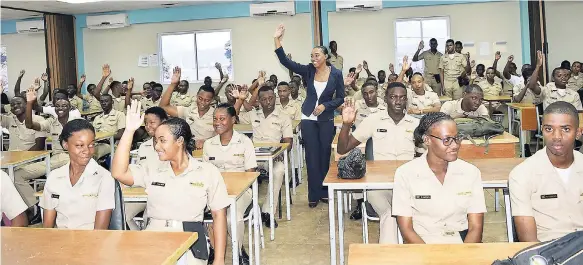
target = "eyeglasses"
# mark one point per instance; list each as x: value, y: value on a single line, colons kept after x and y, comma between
x: 447, y: 141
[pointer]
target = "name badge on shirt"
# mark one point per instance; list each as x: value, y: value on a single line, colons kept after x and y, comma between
x: 55, y: 196
x: 239, y: 155
x: 363, y: 115
x: 14, y: 126
x: 160, y: 184
x: 548, y: 196
x: 197, y: 184
x: 381, y: 130
x: 142, y: 158
x: 423, y: 197
x: 212, y: 158
x: 257, y: 121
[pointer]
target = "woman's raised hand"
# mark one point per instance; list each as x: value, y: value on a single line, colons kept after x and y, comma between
x: 279, y: 31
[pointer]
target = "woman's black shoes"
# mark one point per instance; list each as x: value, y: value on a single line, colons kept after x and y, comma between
x: 324, y: 200
x: 313, y: 204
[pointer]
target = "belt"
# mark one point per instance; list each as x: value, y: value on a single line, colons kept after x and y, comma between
x: 166, y: 223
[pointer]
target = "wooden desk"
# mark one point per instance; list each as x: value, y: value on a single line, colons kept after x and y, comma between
x: 248, y: 128
x: 90, y: 114
x: 11, y: 159
x: 474, y: 254
x: 92, y: 247
x: 503, y: 98
x: 501, y: 146
x: 525, y: 115
x: 380, y: 175
x: 444, y: 99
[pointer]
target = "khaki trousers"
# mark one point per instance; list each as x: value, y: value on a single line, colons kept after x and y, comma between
x: 24, y: 174
x: 131, y: 210
x: 278, y: 175
x: 381, y: 201
x: 452, y: 89
x: 430, y: 80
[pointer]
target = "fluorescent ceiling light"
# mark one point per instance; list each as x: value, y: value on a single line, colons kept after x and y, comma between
x: 79, y: 1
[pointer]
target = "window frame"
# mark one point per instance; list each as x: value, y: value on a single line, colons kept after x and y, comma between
x: 194, y: 32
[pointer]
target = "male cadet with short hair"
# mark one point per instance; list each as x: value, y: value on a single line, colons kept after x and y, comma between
x: 546, y: 190
x: 392, y: 135
x: 431, y: 60
x: 335, y: 59
x: 292, y: 108
x: 451, y: 66
x: 110, y: 121
x: 469, y: 106
x: 557, y: 90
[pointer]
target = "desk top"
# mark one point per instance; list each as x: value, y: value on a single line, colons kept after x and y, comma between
x: 198, y: 153
x: 87, y: 113
x: 505, y: 138
x: 475, y: 254
x: 248, y: 128
x: 236, y: 182
x: 92, y: 247
x: 103, y: 135
x: 504, y: 98
x: 14, y: 157
x: 494, y: 171
x: 444, y: 98
x: 521, y: 105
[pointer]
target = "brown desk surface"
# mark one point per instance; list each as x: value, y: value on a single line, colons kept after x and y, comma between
x: 505, y: 138
x: 474, y: 254
x: 494, y: 171
x: 444, y: 98
x: 198, y: 153
x: 249, y: 128
x: 521, y: 105
x: 103, y: 135
x: 236, y: 182
x: 14, y: 157
x: 498, y: 98
x: 86, y: 113
x: 89, y: 247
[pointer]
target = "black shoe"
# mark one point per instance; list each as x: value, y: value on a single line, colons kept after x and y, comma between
x: 243, y: 257
x: 265, y: 218
x: 357, y: 213
x: 324, y: 200
x: 313, y: 204
x: 211, y: 255
x: 33, y: 214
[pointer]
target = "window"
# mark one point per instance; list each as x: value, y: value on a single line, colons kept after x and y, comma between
x: 196, y: 53
x: 409, y: 32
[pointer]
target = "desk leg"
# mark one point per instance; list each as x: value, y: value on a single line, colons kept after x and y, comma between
x: 48, y: 164
x: 521, y: 142
x: 340, y: 229
x: 508, y: 212
x: 234, y: 239
x: 510, y: 119
x: 300, y: 157
x: 271, y: 210
x: 293, y: 168
x: 332, y: 225
x: 11, y: 173
x: 256, y: 221
x: 496, y: 200
x: 287, y: 195
x: 112, y: 143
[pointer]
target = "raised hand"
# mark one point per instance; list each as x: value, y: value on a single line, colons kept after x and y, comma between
x: 176, y: 74
x: 473, y: 63
x: 540, y: 58
x: 218, y: 65
x: 31, y: 94
x: 421, y: 45
x: 243, y: 92
x: 279, y: 31
x: 359, y: 68
x: 21, y: 73
x: 130, y: 84
x: 36, y: 84
x: 511, y: 58
x: 105, y: 70
x: 44, y: 77
x: 349, y: 79
x: 348, y: 112
x: 261, y: 79
x: 225, y: 78
x: 467, y: 55
x: 235, y: 92
x: 83, y: 78
x: 391, y: 68
x: 497, y: 56
x: 134, y: 118
x: 365, y: 65
x: 406, y: 63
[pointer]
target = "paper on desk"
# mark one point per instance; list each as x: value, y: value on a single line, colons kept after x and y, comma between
x: 143, y: 60
x: 153, y: 59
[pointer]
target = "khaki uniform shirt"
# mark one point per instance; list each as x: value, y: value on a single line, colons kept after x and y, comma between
x: 271, y: 129
x: 454, y: 109
x: 77, y: 205
x: 148, y: 103
x: 537, y: 190
x: 119, y: 104
x: 293, y: 109
x: 452, y: 67
x: 420, y: 102
x: 93, y: 102
x: 479, y: 79
x: 550, y: 93
x: 575, y: 82
x: 53, y: 127
x: 111, y: 122
x: 491, y: 90
x: 11, y: 203
x: 430, y: 62
x: 237, y: 156
x: 21, y: 138
x: 201, y: 127
x: 147, y: 154
x: 76, y: 102
x: 390, y: 141
x: 183, y: 197
x: 439, y: 211
x: 336, y: 61
x: 363, y: 110
x: 178, y: 99
x: 529, y: 96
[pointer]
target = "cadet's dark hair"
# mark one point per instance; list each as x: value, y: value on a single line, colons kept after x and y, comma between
x: 230, y: 109
x: 449, y: 40
x: 393, y: 85
x: 74, y: 126
x: 157, y: 85
x: 472, y: 89
x: 459, y: 42
x: 481, y: 66
x: 107, y: 95
x: 61, y: 91
x: 283, y: 83
x: 114, y: 83
x: 160, y: 112
x: 370, y: 83
x: 179, y: 128
x: 264, y: 89
x: 206, y: 88
x: 425, y: 124
x: 562, y: 107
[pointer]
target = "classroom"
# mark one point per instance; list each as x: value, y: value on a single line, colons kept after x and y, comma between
x: 290, y: 131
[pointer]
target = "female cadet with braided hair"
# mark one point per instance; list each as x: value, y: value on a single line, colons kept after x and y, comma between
x: 438, y: 198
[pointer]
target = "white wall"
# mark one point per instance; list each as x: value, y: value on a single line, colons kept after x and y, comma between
x: 370, y: 35
x: 24, y: 51
x: 564, y: 33
x: 252, y: 44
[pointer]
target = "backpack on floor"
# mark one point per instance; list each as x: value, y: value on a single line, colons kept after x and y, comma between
x: 567, y: 250
x: 479, y: 127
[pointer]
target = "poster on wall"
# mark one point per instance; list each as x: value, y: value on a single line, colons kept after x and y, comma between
x: 4, y: 70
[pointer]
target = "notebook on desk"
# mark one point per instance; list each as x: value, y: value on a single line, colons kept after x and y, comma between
x: 266, y: 150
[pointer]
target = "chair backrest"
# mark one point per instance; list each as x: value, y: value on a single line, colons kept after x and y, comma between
x: 117, y: 221
x: 368, y: 150
x: 539, y: 117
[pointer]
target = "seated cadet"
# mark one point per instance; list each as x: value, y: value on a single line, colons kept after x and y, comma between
x: 296, y: 94
x: 199, y: 116
x: 11, y: 204
x: 421, y: 98
x: 521, y: 92
x: 153, y: 117
x: 392, y: 138
x: 243, y: 117
x: 492, y: 88
x: 74, y: 99
x: 369, y: 104
x: 438, y: 198
x: 181, y: 96
x: 469, y: 106
x: 110, y: 121
x: 557, y: 90
x: 154, y: 99
x: 119, y: 101
x: 80, y: 194
x: 479, y: 75
x: 231, y: 151
x: 546, y: 190
x: 270, y: 125
x: 94, y: 92
x: 179, y: 181
x: 290, y: 107
x: 576, y: 81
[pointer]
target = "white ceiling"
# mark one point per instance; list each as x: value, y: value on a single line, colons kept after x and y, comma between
x: 84, y: 8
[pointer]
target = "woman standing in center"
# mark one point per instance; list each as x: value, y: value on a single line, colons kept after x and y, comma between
x: 323, y: 81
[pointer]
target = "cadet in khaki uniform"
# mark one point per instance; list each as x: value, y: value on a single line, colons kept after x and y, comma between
x: 469, y: 106
x: 75, y: 100
x: 369, y: 104
x: 181, y: 97
x: 111, y: 121
x: 335, y: 59
x: 546, y: 190
x: 298, y: 93
x: 392, y: 138
x: 288, y: 106
x: 576, y: 81
x: 199, y: 116
x: 244, y: 113
x: 438, y: 198
x: 557, y: 91
x: 491, y: 88
x: 179, y: 180
x: 420, y: 98
x: 431, y: 60
x: 11, y: 203
x: 80, y: 194
x: 92, y: 101
x: 451, y: 66
x: 154, y: 99
x: 231, y: 151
